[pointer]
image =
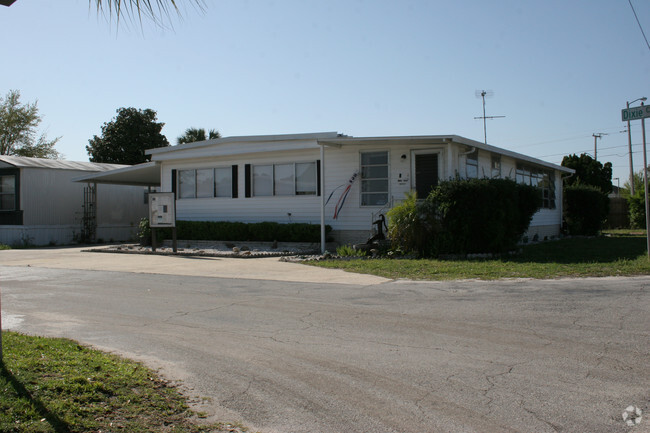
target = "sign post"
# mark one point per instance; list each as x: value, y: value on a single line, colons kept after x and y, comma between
x: 162, y: 213
x: 641, y: 113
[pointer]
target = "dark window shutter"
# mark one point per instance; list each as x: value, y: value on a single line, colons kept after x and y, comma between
x: 234, y: 181
x: 247, y: 180
x: 174, y: 182
x: 318, y: 178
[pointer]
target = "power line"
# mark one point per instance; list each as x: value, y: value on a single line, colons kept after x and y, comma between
x: 639, y: 23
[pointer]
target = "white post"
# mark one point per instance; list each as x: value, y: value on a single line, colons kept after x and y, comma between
x: 322, y: 198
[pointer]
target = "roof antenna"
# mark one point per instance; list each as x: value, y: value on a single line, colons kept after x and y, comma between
x: 483, y: 94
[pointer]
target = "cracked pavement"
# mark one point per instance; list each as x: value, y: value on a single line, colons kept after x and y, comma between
x: 369, y: 356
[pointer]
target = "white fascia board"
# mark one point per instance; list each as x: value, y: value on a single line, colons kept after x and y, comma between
x: 234, y: 149
x: 439, y: 139
x: 252, y: 139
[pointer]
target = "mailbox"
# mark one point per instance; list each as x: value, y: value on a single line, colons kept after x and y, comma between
x: 162, y: 209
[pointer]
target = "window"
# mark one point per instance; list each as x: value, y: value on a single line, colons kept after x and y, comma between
x: 187, y: 184
x: 206, y: 182
x: 471, y: 164
x: 223, y: 178
x: 542, y: 179
x: 262, y: 180
x: 8, y: 192
x: 285, y: 179
x: 496, y: 166
x: 306, y: 178
x: 374, y: 178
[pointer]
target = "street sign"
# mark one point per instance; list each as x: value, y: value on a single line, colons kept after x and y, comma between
x: 635, y: 113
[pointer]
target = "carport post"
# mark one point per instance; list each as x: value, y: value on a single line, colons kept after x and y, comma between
x: 322, y: 198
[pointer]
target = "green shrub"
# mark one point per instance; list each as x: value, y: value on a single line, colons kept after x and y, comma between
x: 585, y: 209
x: 464, y: 216
x: 413, y: 225
x: 251, y: 232
x: 636, y: 206
x: 348, y: 251
x: 144, y: 232
x: 483, y: 215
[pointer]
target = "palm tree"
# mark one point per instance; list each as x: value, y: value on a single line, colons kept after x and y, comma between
x: 153, y: 9
x: 197, y: 134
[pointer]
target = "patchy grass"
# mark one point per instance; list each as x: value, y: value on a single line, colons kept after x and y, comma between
x: 618, y: 253
x: 56, y: 385
x: 4, y: 247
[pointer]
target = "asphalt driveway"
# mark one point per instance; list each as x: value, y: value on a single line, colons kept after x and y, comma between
x: 297, y: 355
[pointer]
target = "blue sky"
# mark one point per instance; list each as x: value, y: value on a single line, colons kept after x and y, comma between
x: 559, y: 71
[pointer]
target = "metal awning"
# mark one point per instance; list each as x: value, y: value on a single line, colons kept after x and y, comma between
x: 146, y: 174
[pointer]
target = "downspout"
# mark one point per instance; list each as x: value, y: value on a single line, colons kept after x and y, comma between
x: 322, y: 198
x: 450, y: 163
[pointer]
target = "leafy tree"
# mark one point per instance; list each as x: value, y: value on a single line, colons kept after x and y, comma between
x: 588, y: 172
x: 18, y: 123
x: 197, y: 134
x: 125, y: 138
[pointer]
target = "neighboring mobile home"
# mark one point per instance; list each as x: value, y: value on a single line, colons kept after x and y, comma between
x: 329, y: 178
x: 40, y: 204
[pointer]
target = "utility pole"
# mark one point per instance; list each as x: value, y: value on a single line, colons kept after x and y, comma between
x: 629, y: 144
x: 596, y: 137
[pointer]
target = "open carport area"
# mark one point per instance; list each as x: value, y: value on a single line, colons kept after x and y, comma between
x: 305, y: 352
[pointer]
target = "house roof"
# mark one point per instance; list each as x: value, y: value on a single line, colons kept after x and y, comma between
x: 270, y: 143
x: 57, y: 164
x: 146, y: 174
x: 440, y: 139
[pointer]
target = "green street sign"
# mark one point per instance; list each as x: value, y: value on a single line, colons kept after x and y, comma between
x: 635, y: 113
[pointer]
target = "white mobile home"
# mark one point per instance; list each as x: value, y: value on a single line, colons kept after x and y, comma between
x: 334, y: 179
x: 329, y: 178
x: 40, y: 203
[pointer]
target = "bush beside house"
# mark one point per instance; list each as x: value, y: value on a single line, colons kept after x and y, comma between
x: 465, y: 216
x: 585, y: 209
x: 237, y: 231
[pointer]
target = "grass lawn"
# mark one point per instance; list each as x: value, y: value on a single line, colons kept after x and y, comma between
x: 59, y: 386
x: 617, y: 253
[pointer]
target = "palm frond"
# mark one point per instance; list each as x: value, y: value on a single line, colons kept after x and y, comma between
x: 154, y: 10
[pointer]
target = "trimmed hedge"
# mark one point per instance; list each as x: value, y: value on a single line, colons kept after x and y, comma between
x: 237, y: 231
x: 464, y: 216
x: 585, y: 209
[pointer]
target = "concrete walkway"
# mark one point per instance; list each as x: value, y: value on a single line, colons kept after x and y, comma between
x: 251, y: 268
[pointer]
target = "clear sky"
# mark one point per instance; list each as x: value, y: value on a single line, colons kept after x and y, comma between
x: 559, y: 70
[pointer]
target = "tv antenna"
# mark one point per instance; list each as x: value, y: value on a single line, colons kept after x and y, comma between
x: 482, y: 94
